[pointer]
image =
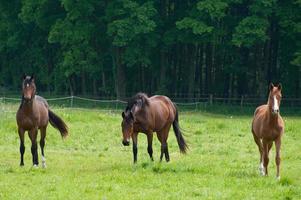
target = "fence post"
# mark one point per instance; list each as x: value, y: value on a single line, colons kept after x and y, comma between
x: 241, y: 100
x: 71, y: 102
x: 211, y: 99
x: 2, y: 104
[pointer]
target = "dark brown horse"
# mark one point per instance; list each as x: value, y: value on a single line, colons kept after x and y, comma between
x: 268, y: 127
x: 148, y: 115
x: 34, y: 114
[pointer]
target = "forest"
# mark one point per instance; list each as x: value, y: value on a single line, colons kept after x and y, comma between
x: 180, y: 48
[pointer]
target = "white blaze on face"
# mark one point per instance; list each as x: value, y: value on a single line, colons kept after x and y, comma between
x: 27, y: 85
x: 276, y: 105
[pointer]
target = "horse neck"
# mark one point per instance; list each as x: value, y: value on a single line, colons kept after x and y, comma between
x: 27, y: 107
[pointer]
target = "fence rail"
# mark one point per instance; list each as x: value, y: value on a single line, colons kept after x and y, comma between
x: 77, y: 101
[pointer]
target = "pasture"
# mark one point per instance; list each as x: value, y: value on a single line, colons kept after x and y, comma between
x: 91, y: 163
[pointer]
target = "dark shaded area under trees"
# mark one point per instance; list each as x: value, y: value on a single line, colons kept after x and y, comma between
x: 181, y: 48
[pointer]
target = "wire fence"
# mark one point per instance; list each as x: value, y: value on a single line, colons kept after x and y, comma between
x: 201, y: 103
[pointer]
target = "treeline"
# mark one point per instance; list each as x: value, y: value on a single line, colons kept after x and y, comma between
x: 181, y: 48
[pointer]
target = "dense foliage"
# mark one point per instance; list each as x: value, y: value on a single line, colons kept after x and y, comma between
x: 182, y: 48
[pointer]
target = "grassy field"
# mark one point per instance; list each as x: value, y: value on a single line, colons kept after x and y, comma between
x: 91, y: 163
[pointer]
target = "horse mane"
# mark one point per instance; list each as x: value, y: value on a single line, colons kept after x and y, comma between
x: 22, y: 102
x: 139, y: 97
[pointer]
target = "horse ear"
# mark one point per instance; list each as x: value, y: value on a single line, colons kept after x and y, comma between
x: 271, y: 86
x: 140, y: 103
x: 143, y: 98
x: 279, y: 87
x: 32, y: 77
x: 24, y: 76
x: 123, y: 115
x: 132, y: 116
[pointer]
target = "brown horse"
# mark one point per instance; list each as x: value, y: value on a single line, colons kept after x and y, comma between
x: 34, y: 114
x: 148, y: 115
x: 268, y: 127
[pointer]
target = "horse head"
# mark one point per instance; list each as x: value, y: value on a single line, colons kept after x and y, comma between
x: 275, y: 96
x: 127, y: 126
x: 134, y: 106
x: 28, y: 88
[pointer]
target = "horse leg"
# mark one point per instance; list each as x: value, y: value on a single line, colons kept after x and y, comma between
x: 163, y: 152
x: 164, y: 146
x: 165, y: 136
x: 34, y: 147
x: 135, y: 149
x: 260, y: 148
x: 166, y: 153
x: 277, y: 159
x: 270, y: 146
x: 266, y: 146
x: 42, y: 144
x: 150, y: 145
x: 22, y: 146
x: 159, y: 136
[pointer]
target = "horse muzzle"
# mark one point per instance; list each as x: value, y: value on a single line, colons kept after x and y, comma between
x: 126, y: 142
x: 27, y: 98
x: 275, y: 111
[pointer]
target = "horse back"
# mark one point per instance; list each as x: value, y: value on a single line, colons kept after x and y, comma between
x: 43, y: 107
x: 42, y: 101
x: 164, y: 103
x: 162, y: 109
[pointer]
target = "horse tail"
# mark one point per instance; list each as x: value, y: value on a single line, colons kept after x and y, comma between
x: 58, y: 123
x: 181, y: 141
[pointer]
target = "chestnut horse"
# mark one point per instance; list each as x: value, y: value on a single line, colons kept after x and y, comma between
x: 268, y: 127
x: 34, y: 114
x: 148, y: 115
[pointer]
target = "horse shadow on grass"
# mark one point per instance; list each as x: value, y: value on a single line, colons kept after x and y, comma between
x: 161, y: 168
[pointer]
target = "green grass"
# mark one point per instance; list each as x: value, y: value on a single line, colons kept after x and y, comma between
x: 91, y: 163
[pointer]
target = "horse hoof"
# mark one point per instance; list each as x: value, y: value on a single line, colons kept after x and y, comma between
x: 35, y: 166
x: 262, y: 173
x: 278, y: 178
x: 261, y: 169
x: 43, y: 162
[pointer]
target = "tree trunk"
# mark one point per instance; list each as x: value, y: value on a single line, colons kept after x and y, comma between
x: 274, y: 35
x: 242, y: 78
x: 71, y: 85
x: 94, y: 86
x: 198, y: 72
x: 192, y: 69
x: 83, y: 84
x: 163, y: 66
x: 104, y: 87
x: 208, y: 61
x: 120, y: 75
